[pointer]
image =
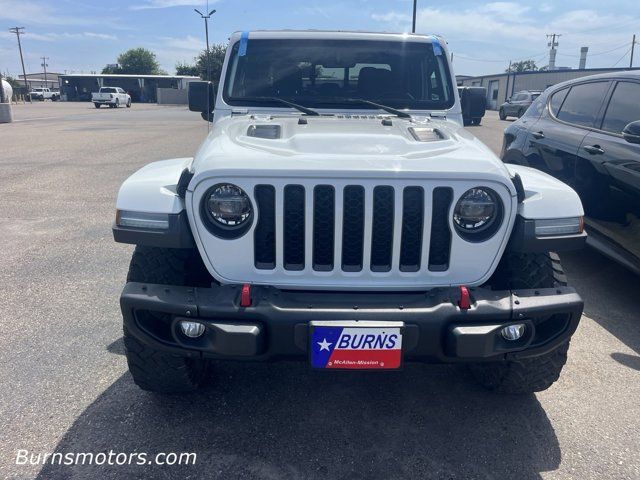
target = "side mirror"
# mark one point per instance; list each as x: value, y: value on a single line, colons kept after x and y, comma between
x: 631, y: 132
x: 202, y: 98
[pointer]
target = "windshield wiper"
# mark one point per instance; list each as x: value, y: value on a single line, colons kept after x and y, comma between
x: 303, y: 109
x: 395, y: 111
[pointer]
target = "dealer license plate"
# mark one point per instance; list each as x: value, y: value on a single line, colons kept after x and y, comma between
x: 353, y: 345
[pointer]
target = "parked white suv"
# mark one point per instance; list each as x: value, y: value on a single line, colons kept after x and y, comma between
x: 338, y: 212
x: 112, y: 96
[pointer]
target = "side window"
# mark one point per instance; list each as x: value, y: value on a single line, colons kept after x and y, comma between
x: 582, y: 103
x: 557, y: 99
x: 623, y: 107
x: 536, y: 107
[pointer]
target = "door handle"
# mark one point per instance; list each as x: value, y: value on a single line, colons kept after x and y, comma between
x: 538, y: 135
x: 594, y: 149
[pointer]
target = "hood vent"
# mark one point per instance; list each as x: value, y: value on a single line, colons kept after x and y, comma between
x: 424, y: 134
x: 270, y: 132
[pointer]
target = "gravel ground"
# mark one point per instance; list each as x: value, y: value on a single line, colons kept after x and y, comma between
x: 65, y: 386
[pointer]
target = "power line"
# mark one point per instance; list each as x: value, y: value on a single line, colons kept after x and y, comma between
x: 625, y: 54
x: 598, y: 53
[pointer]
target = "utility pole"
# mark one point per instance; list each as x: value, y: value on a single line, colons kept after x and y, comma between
x: 20, y: 31
x: 552, y: 53
x: 44, y: 65
x: 415, y: 5
x: 633, y: 47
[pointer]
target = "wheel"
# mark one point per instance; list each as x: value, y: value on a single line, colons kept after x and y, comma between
x: 55, y: 98
x: 476, y: 121
x: 117, y: 103
x: 520, y: 112
x: 502, y: 115
x: 154, y: 370
x: 527, y: 375
x: 97, y: 105
x: 129, y: 103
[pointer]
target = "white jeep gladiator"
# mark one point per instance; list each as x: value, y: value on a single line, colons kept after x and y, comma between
x: 339, y: 213
x: 112, y: 96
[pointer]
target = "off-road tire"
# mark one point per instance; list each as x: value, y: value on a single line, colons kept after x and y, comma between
x: 528, y: 270
x: 502, y: 115
x: 154, y: 370
x: 524, y: 376
x: 527, y: 375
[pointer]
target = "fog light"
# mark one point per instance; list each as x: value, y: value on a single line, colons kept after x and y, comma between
x: 513, y: 332
x: 192, y: 329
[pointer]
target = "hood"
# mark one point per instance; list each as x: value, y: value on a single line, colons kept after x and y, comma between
x: 345, y: 146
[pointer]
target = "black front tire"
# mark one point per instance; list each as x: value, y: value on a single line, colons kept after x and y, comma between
x: 522, y: 377
x: 155, y: 370
x: 527, y: 375
x: 97, y: 105
x: 502, y: 115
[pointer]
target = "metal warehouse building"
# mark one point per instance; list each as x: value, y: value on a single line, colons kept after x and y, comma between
x: 501, y: 86
x: 142, y: 88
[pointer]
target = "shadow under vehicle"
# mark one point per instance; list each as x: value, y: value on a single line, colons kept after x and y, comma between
x: 586, y: 132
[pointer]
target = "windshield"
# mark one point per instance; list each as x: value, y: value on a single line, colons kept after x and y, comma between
x: 326, y: 73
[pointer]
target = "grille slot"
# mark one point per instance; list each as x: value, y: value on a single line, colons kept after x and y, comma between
x: 382, y: 229
x: 323, y: 227
x: 293, y: 240
x: 440, y: 245
x: 265, y: 233
x: 353, y: 228
x: 412, y: 224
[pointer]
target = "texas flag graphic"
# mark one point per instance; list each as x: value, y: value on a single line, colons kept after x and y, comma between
x: 356, y: 348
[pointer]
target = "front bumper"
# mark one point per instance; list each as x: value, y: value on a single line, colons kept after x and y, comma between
x: 277, y: 324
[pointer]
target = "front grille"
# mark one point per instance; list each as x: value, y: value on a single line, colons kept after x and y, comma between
x: 440, y: 246
x: 378, y: 228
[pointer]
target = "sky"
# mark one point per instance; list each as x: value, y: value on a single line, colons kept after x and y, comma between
x: 84, y: 36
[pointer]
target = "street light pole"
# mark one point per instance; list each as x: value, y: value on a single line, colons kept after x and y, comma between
x: 206, y: 33
x: 20, y: 31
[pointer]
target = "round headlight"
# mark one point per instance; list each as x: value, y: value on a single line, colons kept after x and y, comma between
x: 478, y: 214
x: 228, y: 210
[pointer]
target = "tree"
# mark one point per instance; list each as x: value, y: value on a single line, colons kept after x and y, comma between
x: 136, y: 61
x: 216, y: 57
x: 15, y: 84
x: 522, y: 66
x: 186, y: 69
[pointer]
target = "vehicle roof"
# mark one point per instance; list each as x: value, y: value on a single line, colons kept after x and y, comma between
x: 632, y: 74
x: 335, y: 34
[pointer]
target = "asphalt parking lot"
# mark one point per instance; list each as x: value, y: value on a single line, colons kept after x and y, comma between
x: 65, y: 386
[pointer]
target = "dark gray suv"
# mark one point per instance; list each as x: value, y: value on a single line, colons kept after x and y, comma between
x: 518, y: 104
x: 586, y: 132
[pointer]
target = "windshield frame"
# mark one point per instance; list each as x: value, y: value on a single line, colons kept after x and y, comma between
x: 323, y: 103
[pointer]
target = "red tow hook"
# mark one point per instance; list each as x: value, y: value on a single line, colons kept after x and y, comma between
x: 245, y: 296
x: 465, y: 299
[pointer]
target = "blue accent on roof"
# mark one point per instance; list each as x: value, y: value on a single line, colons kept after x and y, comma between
x: 437, y: 49
x: 242, y: 49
